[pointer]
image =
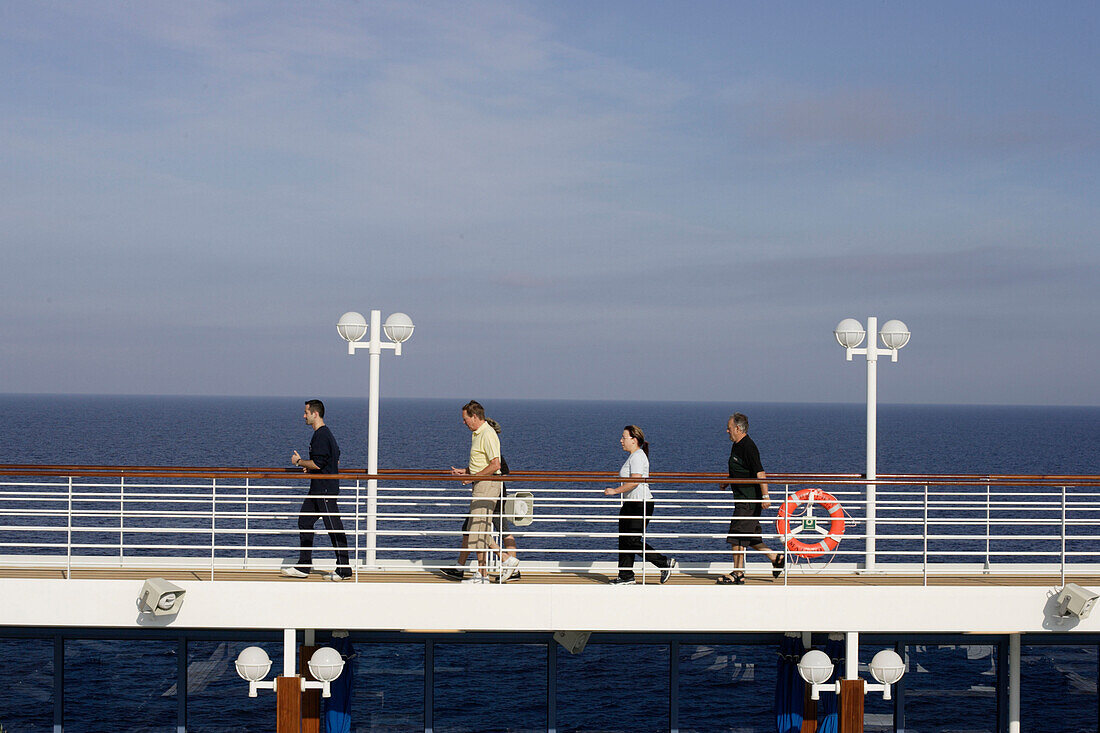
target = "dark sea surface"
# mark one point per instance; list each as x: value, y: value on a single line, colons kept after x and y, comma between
x: 129, y: 685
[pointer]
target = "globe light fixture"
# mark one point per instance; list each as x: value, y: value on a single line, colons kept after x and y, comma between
x: 252, y: 665
x: 325, y: 665
x: 894, y: 335
x: 398, y: 328
x: 887, y: 667
x: 849, y: 333
x: 353, y: 328
x: 815, y: 668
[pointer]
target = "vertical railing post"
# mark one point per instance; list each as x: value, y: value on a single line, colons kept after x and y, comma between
x: 644, y: 525
x: 1063, y: 535
x: 924, y: 560
x: 121, y: 514
x: 213, y: 521
x: 247, y: 518
x: 786, y: 532
x: 989, y: 528
x: 69, y: 534
x: 358, y: 485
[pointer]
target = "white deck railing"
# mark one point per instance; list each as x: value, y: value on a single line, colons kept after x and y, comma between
x: 226, y: 519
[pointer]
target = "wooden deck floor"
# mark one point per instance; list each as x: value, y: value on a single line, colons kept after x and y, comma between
x: 575, y: 578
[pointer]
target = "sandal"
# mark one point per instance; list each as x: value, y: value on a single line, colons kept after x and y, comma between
x: 778, y: 565
x: 734, y: 579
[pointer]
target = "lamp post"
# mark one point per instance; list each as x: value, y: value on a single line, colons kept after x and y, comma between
x: 325, y: 665
x: 815, y: 668
x: 352, y: 327
x: 849, y: 334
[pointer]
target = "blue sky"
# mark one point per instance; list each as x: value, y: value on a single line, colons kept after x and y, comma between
x: 673, y: 201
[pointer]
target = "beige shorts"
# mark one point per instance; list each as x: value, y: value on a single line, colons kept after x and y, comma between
x: 486, y: 495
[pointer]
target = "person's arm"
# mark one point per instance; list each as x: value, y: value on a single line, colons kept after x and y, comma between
x: 765, y: 502
x: 493, y: 467
x: 624, y: 487
x: 304, y: 463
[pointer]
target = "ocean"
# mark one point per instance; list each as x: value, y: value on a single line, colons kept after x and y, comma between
x: 128, y: 685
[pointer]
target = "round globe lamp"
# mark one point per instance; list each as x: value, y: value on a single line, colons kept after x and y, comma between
x: 894, y: 334
x: 398, y: 328
x: 849, y: 333
x: 352, y: 326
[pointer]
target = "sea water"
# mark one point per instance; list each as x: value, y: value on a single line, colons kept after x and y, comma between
x: 128, y: 685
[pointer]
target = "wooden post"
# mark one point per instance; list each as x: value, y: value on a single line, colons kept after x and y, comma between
x: 809, y: 711
x: 851, y: 706
x: 311, y: 699
x: 288, y: 706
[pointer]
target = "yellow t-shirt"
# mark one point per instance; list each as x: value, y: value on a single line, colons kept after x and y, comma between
x: 484, y: 447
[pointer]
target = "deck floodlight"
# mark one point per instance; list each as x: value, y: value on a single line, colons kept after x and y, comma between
x: 160, y: 598
x: 398, y: 328
x: 352, y: 326
x: 849, y: 333
x: 895, y: 334
x: 1073, y: 600
x: 519, y: 508
x: 325, y: 665
x: 574, y: 641
x: 887, y: 667
x: 252, y: 665
x: 815, y: 668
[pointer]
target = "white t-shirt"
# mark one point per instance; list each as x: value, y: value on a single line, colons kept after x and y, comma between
x: 638, y: 463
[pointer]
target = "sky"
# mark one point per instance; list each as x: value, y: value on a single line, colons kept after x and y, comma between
x: 571, y: 200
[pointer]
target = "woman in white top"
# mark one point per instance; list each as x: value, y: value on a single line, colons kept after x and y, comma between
x: 636, y: 510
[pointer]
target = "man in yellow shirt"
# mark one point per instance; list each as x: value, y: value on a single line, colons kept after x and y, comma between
x: 484, y: 462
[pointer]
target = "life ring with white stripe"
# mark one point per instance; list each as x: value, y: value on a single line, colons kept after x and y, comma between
x: 809, y: 523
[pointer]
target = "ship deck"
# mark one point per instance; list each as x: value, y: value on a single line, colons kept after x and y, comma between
x: 689, y: 578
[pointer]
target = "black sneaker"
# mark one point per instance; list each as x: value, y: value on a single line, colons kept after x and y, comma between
x: 453, y: 573
x: 666, y: 573
x: 623, y: 581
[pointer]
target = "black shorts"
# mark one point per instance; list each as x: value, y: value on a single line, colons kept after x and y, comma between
x: 500, y: 525
x: 745, y: 529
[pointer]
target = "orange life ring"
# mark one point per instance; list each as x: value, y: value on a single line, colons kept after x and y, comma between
x: 809, y: 497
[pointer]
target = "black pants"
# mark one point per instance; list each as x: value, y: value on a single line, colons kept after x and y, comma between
x: 631, y: 525
x: 322, y: 506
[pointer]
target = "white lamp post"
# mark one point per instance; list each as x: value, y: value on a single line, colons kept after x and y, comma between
x: 849, y: 334
x: 352, y: 327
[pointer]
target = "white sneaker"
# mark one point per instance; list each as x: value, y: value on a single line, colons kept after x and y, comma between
x: 666, y: 573
x: 477, y: 579
x: 510, y: 566
x: 293, y: 572
x: 337, y: 577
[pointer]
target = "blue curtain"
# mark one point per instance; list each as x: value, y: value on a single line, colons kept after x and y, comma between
x: 338, y: 707
x: 789, y: 686
x: 827, y: 718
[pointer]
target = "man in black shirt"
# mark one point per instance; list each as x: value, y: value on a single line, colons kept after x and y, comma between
x: 749, y: 501
x: 324, y: 457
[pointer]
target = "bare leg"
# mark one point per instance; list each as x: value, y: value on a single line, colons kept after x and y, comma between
x: 772, y: 556
x: 510, y: 546
x: 464, y: 553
